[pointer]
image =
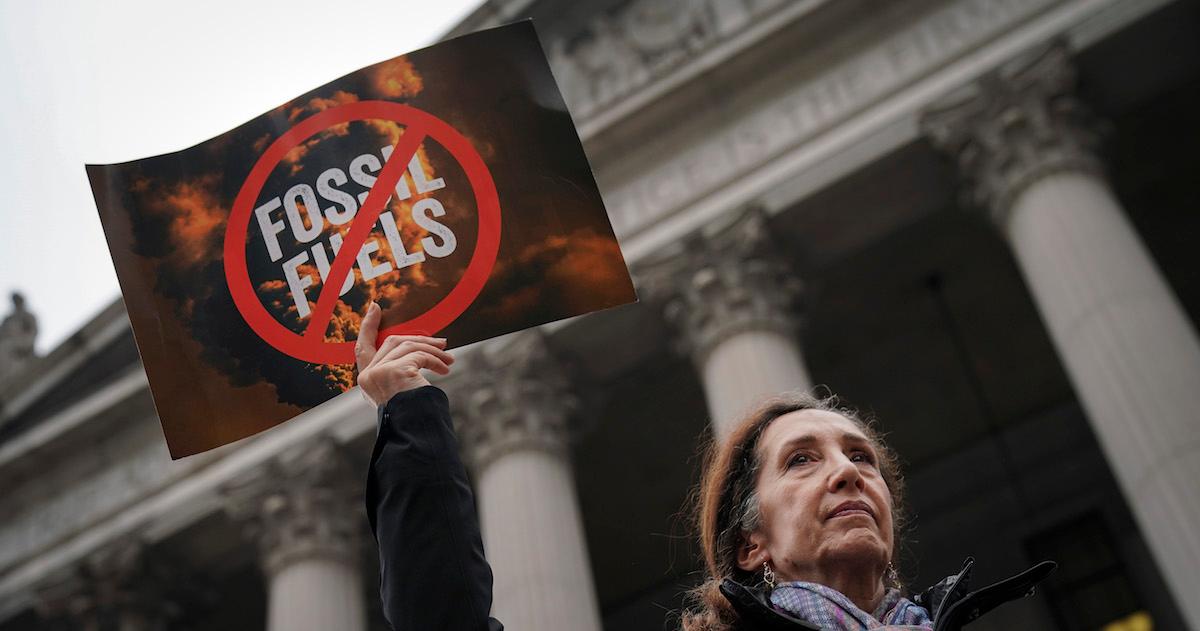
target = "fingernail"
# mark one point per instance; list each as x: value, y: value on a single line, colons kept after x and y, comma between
x: 374, y: 306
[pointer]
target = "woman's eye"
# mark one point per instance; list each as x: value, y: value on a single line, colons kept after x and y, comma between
x: 797, y: 459
x: 862, y: 456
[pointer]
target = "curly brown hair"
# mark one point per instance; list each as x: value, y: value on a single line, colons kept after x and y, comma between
x: 725, y: 504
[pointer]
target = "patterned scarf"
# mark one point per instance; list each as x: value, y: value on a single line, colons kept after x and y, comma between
x: 830, y: 609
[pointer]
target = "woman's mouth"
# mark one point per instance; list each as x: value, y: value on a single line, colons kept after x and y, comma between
x: 850, y: 509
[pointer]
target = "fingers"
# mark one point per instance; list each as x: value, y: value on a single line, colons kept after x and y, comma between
x: 395, y: 341
x: 398, y: 368
x: 420, y: 359
x: 368, y: 330
x: 411, y: 346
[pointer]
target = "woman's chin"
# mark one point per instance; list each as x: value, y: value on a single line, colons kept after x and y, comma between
x: 858, y: 546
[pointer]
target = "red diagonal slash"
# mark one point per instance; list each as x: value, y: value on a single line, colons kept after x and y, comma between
x: 364, y: 221
x: 310, y: 346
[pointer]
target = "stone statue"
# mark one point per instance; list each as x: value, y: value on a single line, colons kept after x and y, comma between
x: 17, y: 334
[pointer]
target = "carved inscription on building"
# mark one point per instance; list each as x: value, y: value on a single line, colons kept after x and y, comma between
x: 617, y: 52
x: 814, y: 107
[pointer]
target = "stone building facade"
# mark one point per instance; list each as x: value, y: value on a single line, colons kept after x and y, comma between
x: 974, y: 219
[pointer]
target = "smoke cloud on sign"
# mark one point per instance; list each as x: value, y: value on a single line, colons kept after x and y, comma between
x: 179, y: 224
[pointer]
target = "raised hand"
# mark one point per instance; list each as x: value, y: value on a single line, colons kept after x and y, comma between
x: 396, y: 365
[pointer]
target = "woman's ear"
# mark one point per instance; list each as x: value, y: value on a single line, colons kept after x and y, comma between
x: 752, y: 553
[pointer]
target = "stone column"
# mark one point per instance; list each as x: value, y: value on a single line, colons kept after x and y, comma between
x: 512, y: 413
x: 732, y: 298
x: 122, y: 587
x: 1029, y: 152
x: 303, y: 511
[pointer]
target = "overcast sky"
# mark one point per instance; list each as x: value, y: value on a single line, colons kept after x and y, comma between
x: 97, y: 82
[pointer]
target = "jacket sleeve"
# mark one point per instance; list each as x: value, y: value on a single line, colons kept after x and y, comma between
x: 433, y: 573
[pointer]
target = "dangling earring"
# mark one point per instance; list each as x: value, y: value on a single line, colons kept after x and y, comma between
x: 768, y: 575
x: 893, y: 577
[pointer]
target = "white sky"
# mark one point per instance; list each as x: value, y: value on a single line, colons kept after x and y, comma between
x: 111, y: 81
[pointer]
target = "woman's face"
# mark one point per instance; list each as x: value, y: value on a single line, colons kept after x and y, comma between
x: 824, y: 503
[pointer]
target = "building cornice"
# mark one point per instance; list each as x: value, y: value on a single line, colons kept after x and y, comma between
x: 53, y: 431
x: 47, y: 372
x: 845, y: 127
x: 701, y: 43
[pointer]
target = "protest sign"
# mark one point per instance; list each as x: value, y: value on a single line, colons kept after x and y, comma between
x: 449, y: 185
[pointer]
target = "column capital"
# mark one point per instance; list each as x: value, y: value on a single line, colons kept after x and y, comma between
x: 298, y: 505
x: 1015, y: 126
x: 724, y: 280
x: 513, y: 399
x: 120, y: 586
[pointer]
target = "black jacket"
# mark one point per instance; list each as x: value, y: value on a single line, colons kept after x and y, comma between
x: 950, y: 602
x: 433, y: 573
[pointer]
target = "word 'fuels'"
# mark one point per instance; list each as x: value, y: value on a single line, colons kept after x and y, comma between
x: 307, y: 221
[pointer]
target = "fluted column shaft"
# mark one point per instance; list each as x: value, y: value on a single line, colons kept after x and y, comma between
x: 747, y: 367
x: 513, y: 417
x: 1127, y: 345
x: 301, y: 512
x: 731, y: 296
x: 316, y: 593
x: 533, y: 533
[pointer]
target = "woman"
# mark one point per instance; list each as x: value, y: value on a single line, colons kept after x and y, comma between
x: 799, y: 513
x: 800, y: 508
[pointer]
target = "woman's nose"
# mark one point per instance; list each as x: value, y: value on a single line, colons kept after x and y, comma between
x: 845, y: 473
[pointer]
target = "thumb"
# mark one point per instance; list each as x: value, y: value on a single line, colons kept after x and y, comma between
x: 368, y: 330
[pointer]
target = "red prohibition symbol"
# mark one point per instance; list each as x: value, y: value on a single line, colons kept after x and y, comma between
x: 311, y: 345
